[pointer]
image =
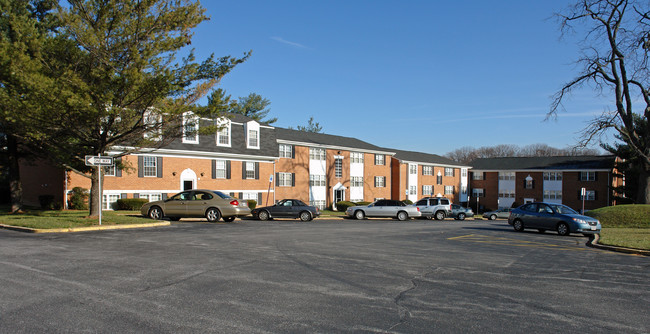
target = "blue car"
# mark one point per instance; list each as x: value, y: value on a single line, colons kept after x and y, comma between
x: 551, y: 216
x: 460, y: 213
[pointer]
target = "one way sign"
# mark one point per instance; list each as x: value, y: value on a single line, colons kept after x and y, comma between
x: 93, y: 160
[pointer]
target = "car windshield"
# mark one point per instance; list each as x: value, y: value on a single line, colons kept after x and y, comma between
x: 222, y: 195
x: 563, y: 209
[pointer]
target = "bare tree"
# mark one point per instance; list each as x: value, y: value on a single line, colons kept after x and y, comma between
x: 466, y: 154
x: 615, y: 63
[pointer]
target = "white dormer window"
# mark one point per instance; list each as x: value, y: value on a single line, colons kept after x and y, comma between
x: 190, y: 128
x: 152, y: 122
x: 253, y: 135
x: 223, y: 132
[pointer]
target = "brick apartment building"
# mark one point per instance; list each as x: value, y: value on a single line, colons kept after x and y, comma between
x: 255, y: 161
x: 502, y: 182
x: 416, y: 175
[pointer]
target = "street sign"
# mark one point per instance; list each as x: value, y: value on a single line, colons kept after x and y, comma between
x: 93, y: 160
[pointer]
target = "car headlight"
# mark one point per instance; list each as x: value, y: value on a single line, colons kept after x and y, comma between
x: 579, y: 221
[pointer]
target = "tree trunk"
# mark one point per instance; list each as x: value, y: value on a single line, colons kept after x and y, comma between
x: 15, y: 186
x: 94, y: 194
x: 644, y: 185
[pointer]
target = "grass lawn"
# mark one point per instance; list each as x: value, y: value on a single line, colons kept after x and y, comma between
x: 39, y: 219
x: 332, y: 213
x: 626, y: 237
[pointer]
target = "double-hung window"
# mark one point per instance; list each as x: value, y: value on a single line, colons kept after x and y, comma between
x: 220, y: 169
x: 316, y: 153
x: 250, y: 169
x: 587, y: 176
x: 449, y: 190
x: 190, y: 128
x: 150, y: 166
x: 380, y: 159
x: 356, y: 181
x: 356, y: 158
x: 449, y: 171
x: 223, y: 132
x: 316, y: 180
x: 284, y: 179
x: 413, y: 169
x: 380, y: 181
x: 427, y: 190
x: 286, y: 151
x: 427, y: 170
x: 338, y: 167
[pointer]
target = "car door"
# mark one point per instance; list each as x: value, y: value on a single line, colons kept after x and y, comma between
x: 546, y: 217
x: 425, y: 209
x: 376, y: 209
x: 391, y: 209
x: 283, y: 209
x: 176, y: 206
x: 198, y: 203
x: 528, y: 214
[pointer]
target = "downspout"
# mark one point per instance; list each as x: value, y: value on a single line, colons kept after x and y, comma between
x: 65, y: 189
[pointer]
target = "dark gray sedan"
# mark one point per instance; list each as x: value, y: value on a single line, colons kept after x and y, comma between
x: 384, y: 208
x: 551, y: 216
x: 287, y: 208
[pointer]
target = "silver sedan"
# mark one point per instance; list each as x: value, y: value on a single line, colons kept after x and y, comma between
x: 384, y: 208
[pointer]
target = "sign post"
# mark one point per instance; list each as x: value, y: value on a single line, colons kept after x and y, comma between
x: 583, y: 193
x: 99, y: 162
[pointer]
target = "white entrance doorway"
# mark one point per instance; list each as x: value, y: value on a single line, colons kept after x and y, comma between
x: 338, y: 194
x: 188, y: 180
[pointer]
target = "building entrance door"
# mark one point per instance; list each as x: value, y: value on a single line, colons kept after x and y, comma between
x: 187, y: 184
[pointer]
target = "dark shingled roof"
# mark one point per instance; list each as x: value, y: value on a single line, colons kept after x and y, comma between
x: 425, y: 158
x: 520, y: 163
x: 328, y: 140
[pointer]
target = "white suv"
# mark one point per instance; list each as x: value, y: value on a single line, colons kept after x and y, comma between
x: 434, y: 207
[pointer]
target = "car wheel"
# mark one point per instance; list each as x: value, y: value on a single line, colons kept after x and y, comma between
x: 156, y: 213
x: 541, y: 230
x: 305, y: 216
x: 212, y: 215
x: 359, y: 215
x: 563, y: 229
x: 263, y: 215
x: 493, y: 217
x: 518, y: 225
x: 174, y: 219
x: 229, y: 219
x: 440, y: 215
x: 461, y: 216
x: 402, y: 216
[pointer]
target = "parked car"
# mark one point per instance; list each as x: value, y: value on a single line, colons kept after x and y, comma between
x: 287, y: 208
x: 210, y: 204
x: 551, y: 216
x: 460, y: 213
x: 434, y: 207
x: 384, y: 208
x: 501, y: 213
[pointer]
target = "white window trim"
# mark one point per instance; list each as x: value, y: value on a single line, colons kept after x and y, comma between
x: 224, y: 123
x: 253, y: 126
x: 284, y: 179
x: 150, y: 118
x: 224, y: 170
x: 284, y: 153
x: 145, y: 167
x: 190, y: 117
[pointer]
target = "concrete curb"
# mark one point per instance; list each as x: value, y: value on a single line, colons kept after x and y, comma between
x: 82, y: 229
x: 593, y: 242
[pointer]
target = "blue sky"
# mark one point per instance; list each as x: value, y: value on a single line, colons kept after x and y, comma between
x: 427, y: 76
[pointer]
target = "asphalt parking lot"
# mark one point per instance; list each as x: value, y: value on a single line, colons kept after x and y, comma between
x: 327, y: 276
